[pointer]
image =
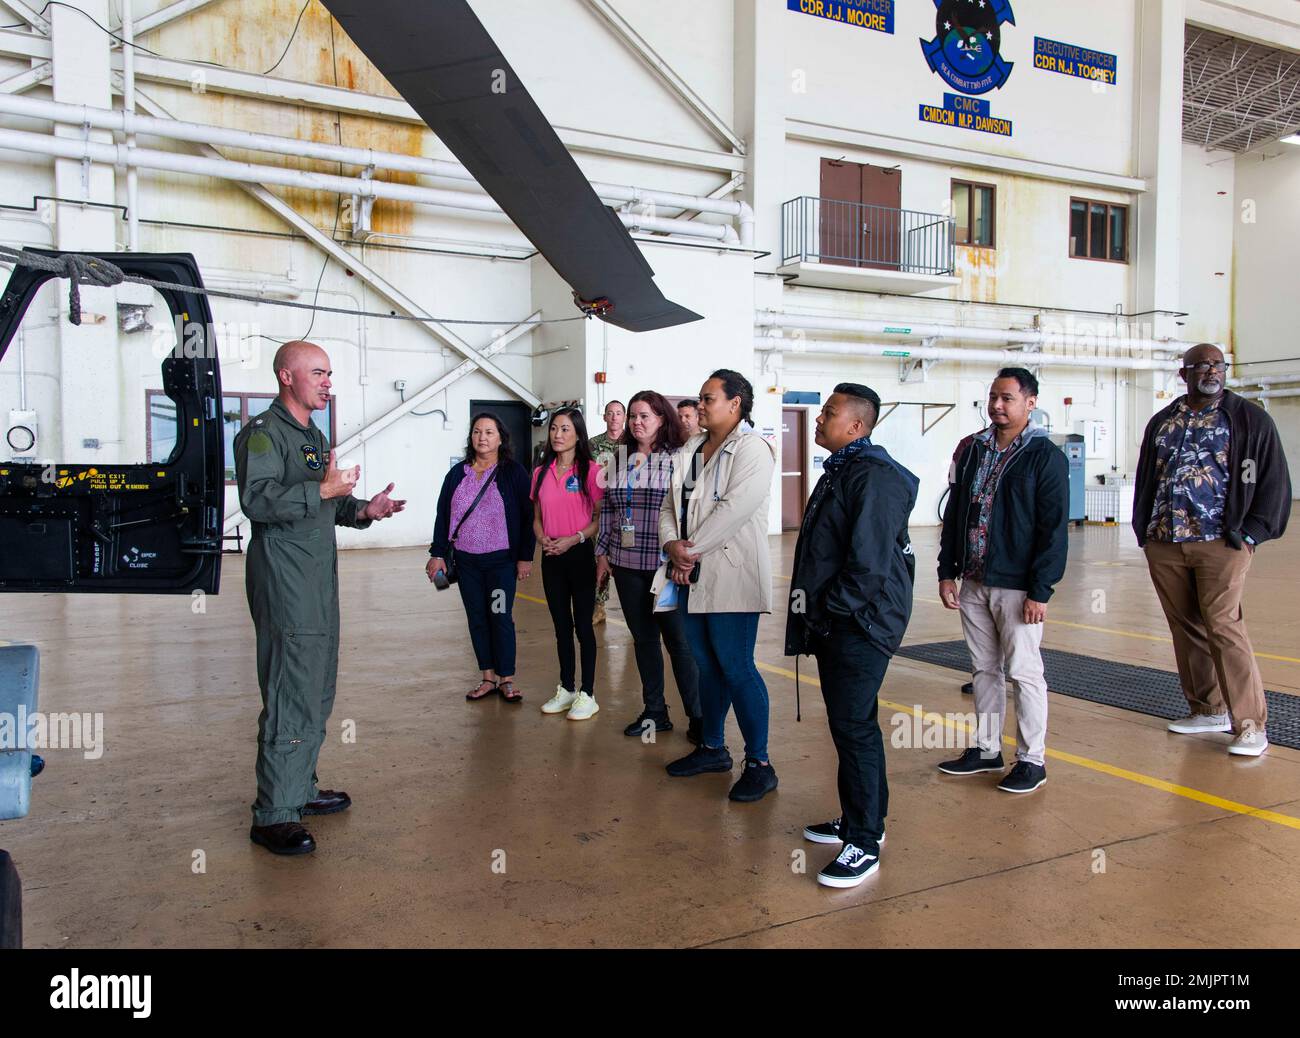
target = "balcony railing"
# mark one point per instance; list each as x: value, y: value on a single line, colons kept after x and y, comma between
x: 852, y: 234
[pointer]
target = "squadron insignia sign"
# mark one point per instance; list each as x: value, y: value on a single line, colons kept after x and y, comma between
x: 966, y: 49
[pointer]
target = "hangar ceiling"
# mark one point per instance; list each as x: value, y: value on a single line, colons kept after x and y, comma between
x: 1237, y: 94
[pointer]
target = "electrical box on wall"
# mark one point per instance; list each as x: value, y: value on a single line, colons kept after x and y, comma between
x: 1096, y: 438
x: 22, y: 436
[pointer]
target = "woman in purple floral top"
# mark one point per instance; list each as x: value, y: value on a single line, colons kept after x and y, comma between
x: 627, y: 548
x: 494, y: 545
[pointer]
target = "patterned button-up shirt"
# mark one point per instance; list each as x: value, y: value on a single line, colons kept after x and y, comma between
x: 1191, y: 475
x: 649, y: 482
x: 982, y: 491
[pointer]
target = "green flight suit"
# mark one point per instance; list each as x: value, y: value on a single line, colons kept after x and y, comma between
x: 292, y: 584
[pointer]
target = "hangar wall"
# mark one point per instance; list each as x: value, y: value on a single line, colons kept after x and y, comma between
x: 798, y: 88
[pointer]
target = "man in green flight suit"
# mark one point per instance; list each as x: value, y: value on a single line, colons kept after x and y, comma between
x: 294, y: 495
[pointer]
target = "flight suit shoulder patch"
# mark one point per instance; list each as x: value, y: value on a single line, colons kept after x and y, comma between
x: 259, y: 443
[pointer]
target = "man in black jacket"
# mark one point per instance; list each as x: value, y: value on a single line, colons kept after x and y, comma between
x: 1004, y: 536
x: 850, y: 600
x: 1212, y: 479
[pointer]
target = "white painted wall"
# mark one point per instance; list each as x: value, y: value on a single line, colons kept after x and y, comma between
x: 1209, y: 220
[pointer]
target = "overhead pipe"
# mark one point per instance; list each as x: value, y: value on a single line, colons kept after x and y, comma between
x: 129, y: 123
x: 1269, y: 394
x: 913, y: 330
x: 1018, y: 358
x: 225, y: 169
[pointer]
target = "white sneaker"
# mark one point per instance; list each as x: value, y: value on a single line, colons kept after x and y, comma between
x: 1198, y: 723
x: 584, y: 707
x: 1251, y: 742
x: 560, y: 702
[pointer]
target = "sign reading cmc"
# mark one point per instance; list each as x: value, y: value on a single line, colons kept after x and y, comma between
x: 966, y: 113
x: 866, y: 14
x: 966, y: 49
x: 1071, y: 60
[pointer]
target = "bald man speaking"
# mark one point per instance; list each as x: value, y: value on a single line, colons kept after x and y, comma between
x: 294, y: 495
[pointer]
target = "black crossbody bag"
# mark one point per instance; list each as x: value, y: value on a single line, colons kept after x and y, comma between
x: 452, y: 575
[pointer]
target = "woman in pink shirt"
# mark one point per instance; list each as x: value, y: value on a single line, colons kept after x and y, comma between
x: 566, y: 491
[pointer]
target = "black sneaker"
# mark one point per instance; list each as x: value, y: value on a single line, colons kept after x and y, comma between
x: 638, y: 727
x: 695, y: 731
x: 973, y: 762
x: 700, y: 760
x: 848, y: 870
x: 755, y: 782
x: 829, y: 832
x: 1024, y: 777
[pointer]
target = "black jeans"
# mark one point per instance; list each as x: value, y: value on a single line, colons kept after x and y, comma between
x: 490, y: 615
x: 647, y: 627
x: 569, y: 581
x: 851, y: 670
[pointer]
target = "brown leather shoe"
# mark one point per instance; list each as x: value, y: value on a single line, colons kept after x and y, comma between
x: 327, y: 802
x: 283, y: 838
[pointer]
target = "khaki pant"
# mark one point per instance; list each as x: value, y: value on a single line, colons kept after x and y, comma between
x: 1003, y: 646
x: 1200, y: 584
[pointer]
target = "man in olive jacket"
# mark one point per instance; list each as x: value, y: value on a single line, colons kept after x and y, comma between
x: 850, y: 601
x: 294, y: 495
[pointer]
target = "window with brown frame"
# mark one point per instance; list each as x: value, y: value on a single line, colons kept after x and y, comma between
x: 236, y: 410
x: 1098, y: 230
x: 974, y: 207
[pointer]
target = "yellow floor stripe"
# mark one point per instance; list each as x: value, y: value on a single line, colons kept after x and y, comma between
x: 1087, y: 762
x: 1070, y: 758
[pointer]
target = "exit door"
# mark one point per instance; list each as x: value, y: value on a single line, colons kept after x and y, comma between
x: 794, y: 480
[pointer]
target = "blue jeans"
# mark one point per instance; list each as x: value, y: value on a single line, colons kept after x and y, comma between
x: 723, y: 647
x: 490, y: 615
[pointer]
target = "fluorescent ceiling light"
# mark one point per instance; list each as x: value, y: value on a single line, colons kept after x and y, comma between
x: 1293, y: 139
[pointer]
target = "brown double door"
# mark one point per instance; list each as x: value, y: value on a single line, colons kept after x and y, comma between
x: 794, y: 481
x: 860, y: 219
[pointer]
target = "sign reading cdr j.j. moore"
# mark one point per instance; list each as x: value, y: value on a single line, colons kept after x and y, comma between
x: 866, y: 14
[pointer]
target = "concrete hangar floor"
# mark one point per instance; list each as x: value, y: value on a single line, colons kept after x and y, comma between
x: 484, y: 824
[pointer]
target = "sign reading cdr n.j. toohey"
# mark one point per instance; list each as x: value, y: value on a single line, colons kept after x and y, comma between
x: 966, y: 49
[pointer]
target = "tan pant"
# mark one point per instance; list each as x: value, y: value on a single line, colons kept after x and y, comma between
x: 1200, y: 584
x: 1003, y: 646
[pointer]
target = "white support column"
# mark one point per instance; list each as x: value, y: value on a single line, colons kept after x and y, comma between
x: 1156, y: 236
x: 761, y: 90
x: 90, y: 367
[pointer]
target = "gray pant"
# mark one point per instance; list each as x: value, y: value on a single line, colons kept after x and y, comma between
x: 1003, y: 646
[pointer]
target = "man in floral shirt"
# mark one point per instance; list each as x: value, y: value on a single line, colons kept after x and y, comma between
x: 1212, y: 484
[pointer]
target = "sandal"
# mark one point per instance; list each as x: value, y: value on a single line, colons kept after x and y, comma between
x: 511, y: 696
x: 480, y: 693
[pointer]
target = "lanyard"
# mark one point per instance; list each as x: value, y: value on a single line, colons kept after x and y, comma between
x: 631, y: 469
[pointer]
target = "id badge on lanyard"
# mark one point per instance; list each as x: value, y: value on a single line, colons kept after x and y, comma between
x: 628, y: 530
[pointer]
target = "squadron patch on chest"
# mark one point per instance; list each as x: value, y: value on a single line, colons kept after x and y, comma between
x: 311, y: 455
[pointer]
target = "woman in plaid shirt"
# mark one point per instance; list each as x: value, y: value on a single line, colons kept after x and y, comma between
x: 628, y: 548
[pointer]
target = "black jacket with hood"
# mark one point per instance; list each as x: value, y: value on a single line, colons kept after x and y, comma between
x: 853, y: 561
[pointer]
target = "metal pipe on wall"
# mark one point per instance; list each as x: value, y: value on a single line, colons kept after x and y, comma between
x: 129, y: 123
x: 914, y: 330
x: 247, y: 172
x: 769, y: 344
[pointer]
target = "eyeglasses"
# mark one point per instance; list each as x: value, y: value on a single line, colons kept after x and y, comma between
x: 1205, y: 368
